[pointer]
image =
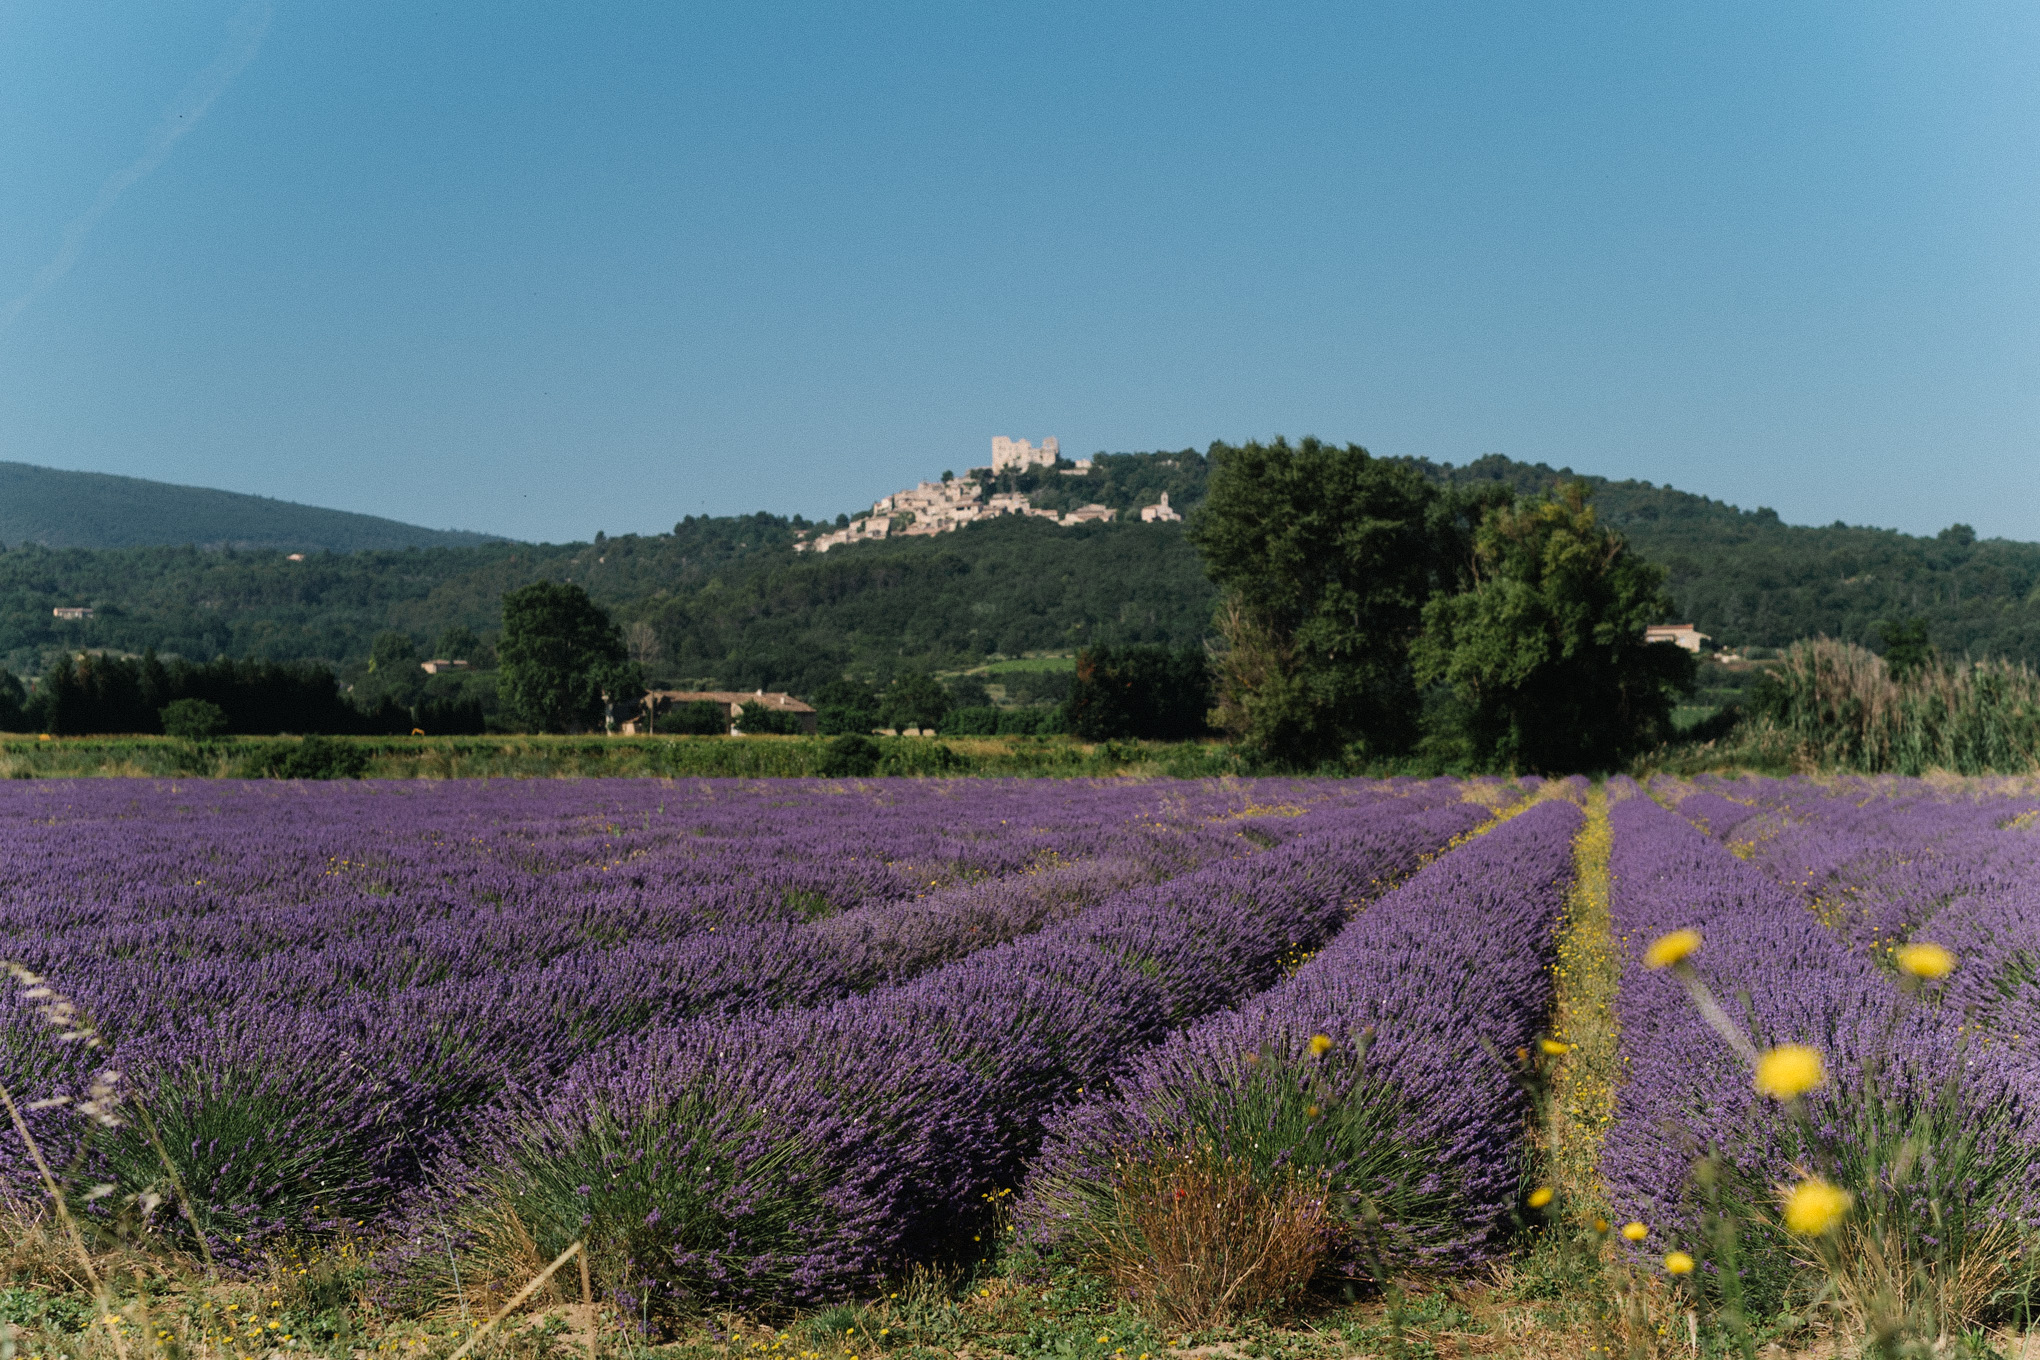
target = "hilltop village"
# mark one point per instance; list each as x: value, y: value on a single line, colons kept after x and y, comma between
x: 945, y: 506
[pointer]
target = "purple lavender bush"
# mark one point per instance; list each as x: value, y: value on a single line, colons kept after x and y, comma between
x: 794, y: 1157
x: 1900, y: 1071
x: 1409, y: 1107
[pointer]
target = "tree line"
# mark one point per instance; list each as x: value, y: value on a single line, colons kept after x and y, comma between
x: 1365, y: 614
x: 732, y: 606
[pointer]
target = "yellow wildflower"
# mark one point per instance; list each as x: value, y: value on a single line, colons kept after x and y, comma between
x: 1635, y: 1232
x: 1789, y: 1070
x: 1814, y: 1207
x: 1925, y: 960
x: 1552, y: 1047
x: 1667, y: 950
x: 1678, y: 1263
x: 1320, y: 1044
x: 1540, y: 1197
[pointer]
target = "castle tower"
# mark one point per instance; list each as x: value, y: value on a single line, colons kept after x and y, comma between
x: 1017, y: 455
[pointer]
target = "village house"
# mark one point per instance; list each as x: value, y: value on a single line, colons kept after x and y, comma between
x: 730, y: 701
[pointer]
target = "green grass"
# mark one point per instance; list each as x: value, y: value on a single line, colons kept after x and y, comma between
x: 540, y: 757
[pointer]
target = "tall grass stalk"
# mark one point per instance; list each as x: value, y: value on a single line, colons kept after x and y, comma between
x: 102, y: 1292
x: 1925, y: 1241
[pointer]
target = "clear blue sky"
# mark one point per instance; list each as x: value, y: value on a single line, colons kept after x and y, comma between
x: 545, y: 269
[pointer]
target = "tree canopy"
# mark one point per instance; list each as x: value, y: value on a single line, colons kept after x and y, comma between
x: 1544, y: 650
x: 559, y: 650
x: 1326, y: 557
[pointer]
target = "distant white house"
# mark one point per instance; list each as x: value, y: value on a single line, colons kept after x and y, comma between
x: 72, y: 611
x: 1683, y: 635
x: 438, y: 664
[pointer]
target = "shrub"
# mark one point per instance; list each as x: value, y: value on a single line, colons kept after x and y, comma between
x: 194, y: 719
x: 849, y: 757
x: 979, y: 721
x: 311, y: 758
x: 701, y: 718
x: 923, y: 758
x: 760, y: 721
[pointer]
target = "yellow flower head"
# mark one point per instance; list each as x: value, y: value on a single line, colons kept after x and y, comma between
x: 1789, y: 1070
x: 1540, y: 1197
x: 1600, y: 1225
x: 1552, y: 1047
x: 1667, y: 950
x: 1925, y: 960
x: 1814, y: 1207
x: 1678, y: 1263
x: 1635, y: 1232
x: 1320, y: 1044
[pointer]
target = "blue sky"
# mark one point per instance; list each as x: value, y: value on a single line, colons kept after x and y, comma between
x: 548, y: 269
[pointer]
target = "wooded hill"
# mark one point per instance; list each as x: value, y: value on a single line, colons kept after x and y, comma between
x: 731, y: 601
x: 61, y: 509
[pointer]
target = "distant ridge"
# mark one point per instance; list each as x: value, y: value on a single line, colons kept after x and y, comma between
x: 61, y: 509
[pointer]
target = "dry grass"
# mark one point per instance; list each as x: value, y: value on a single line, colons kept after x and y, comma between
x: 1197, y: 1239
x: 1881, y: 1280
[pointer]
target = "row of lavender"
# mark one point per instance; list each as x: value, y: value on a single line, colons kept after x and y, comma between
x: 162, y: 905
x: 306, y: 1084
x: 1883, y: 862
x: 1378, y: 1072
x: 1903, y: 1067
x: 802, y: 1154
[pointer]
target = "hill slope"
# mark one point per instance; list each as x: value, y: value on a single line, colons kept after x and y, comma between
x: 96, y: 510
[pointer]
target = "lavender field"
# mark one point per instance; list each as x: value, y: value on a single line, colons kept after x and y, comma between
x: 770, y: 1045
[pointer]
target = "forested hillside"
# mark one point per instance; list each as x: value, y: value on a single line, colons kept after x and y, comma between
x: 61, y: 509
x: 730, y: 601
x: 1749, y: 579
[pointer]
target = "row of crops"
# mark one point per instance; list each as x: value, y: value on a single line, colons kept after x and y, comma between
x: 775, y: 1042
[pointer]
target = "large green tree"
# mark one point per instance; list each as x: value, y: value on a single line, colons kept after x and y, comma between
x: 559, y: 651
x: 1543, y: 651
x: 1325, y: 556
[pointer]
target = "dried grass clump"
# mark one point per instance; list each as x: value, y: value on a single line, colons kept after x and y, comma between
x: 1197, y: 1238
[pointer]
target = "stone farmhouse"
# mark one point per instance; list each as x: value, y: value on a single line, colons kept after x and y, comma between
x: 731, y: 702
